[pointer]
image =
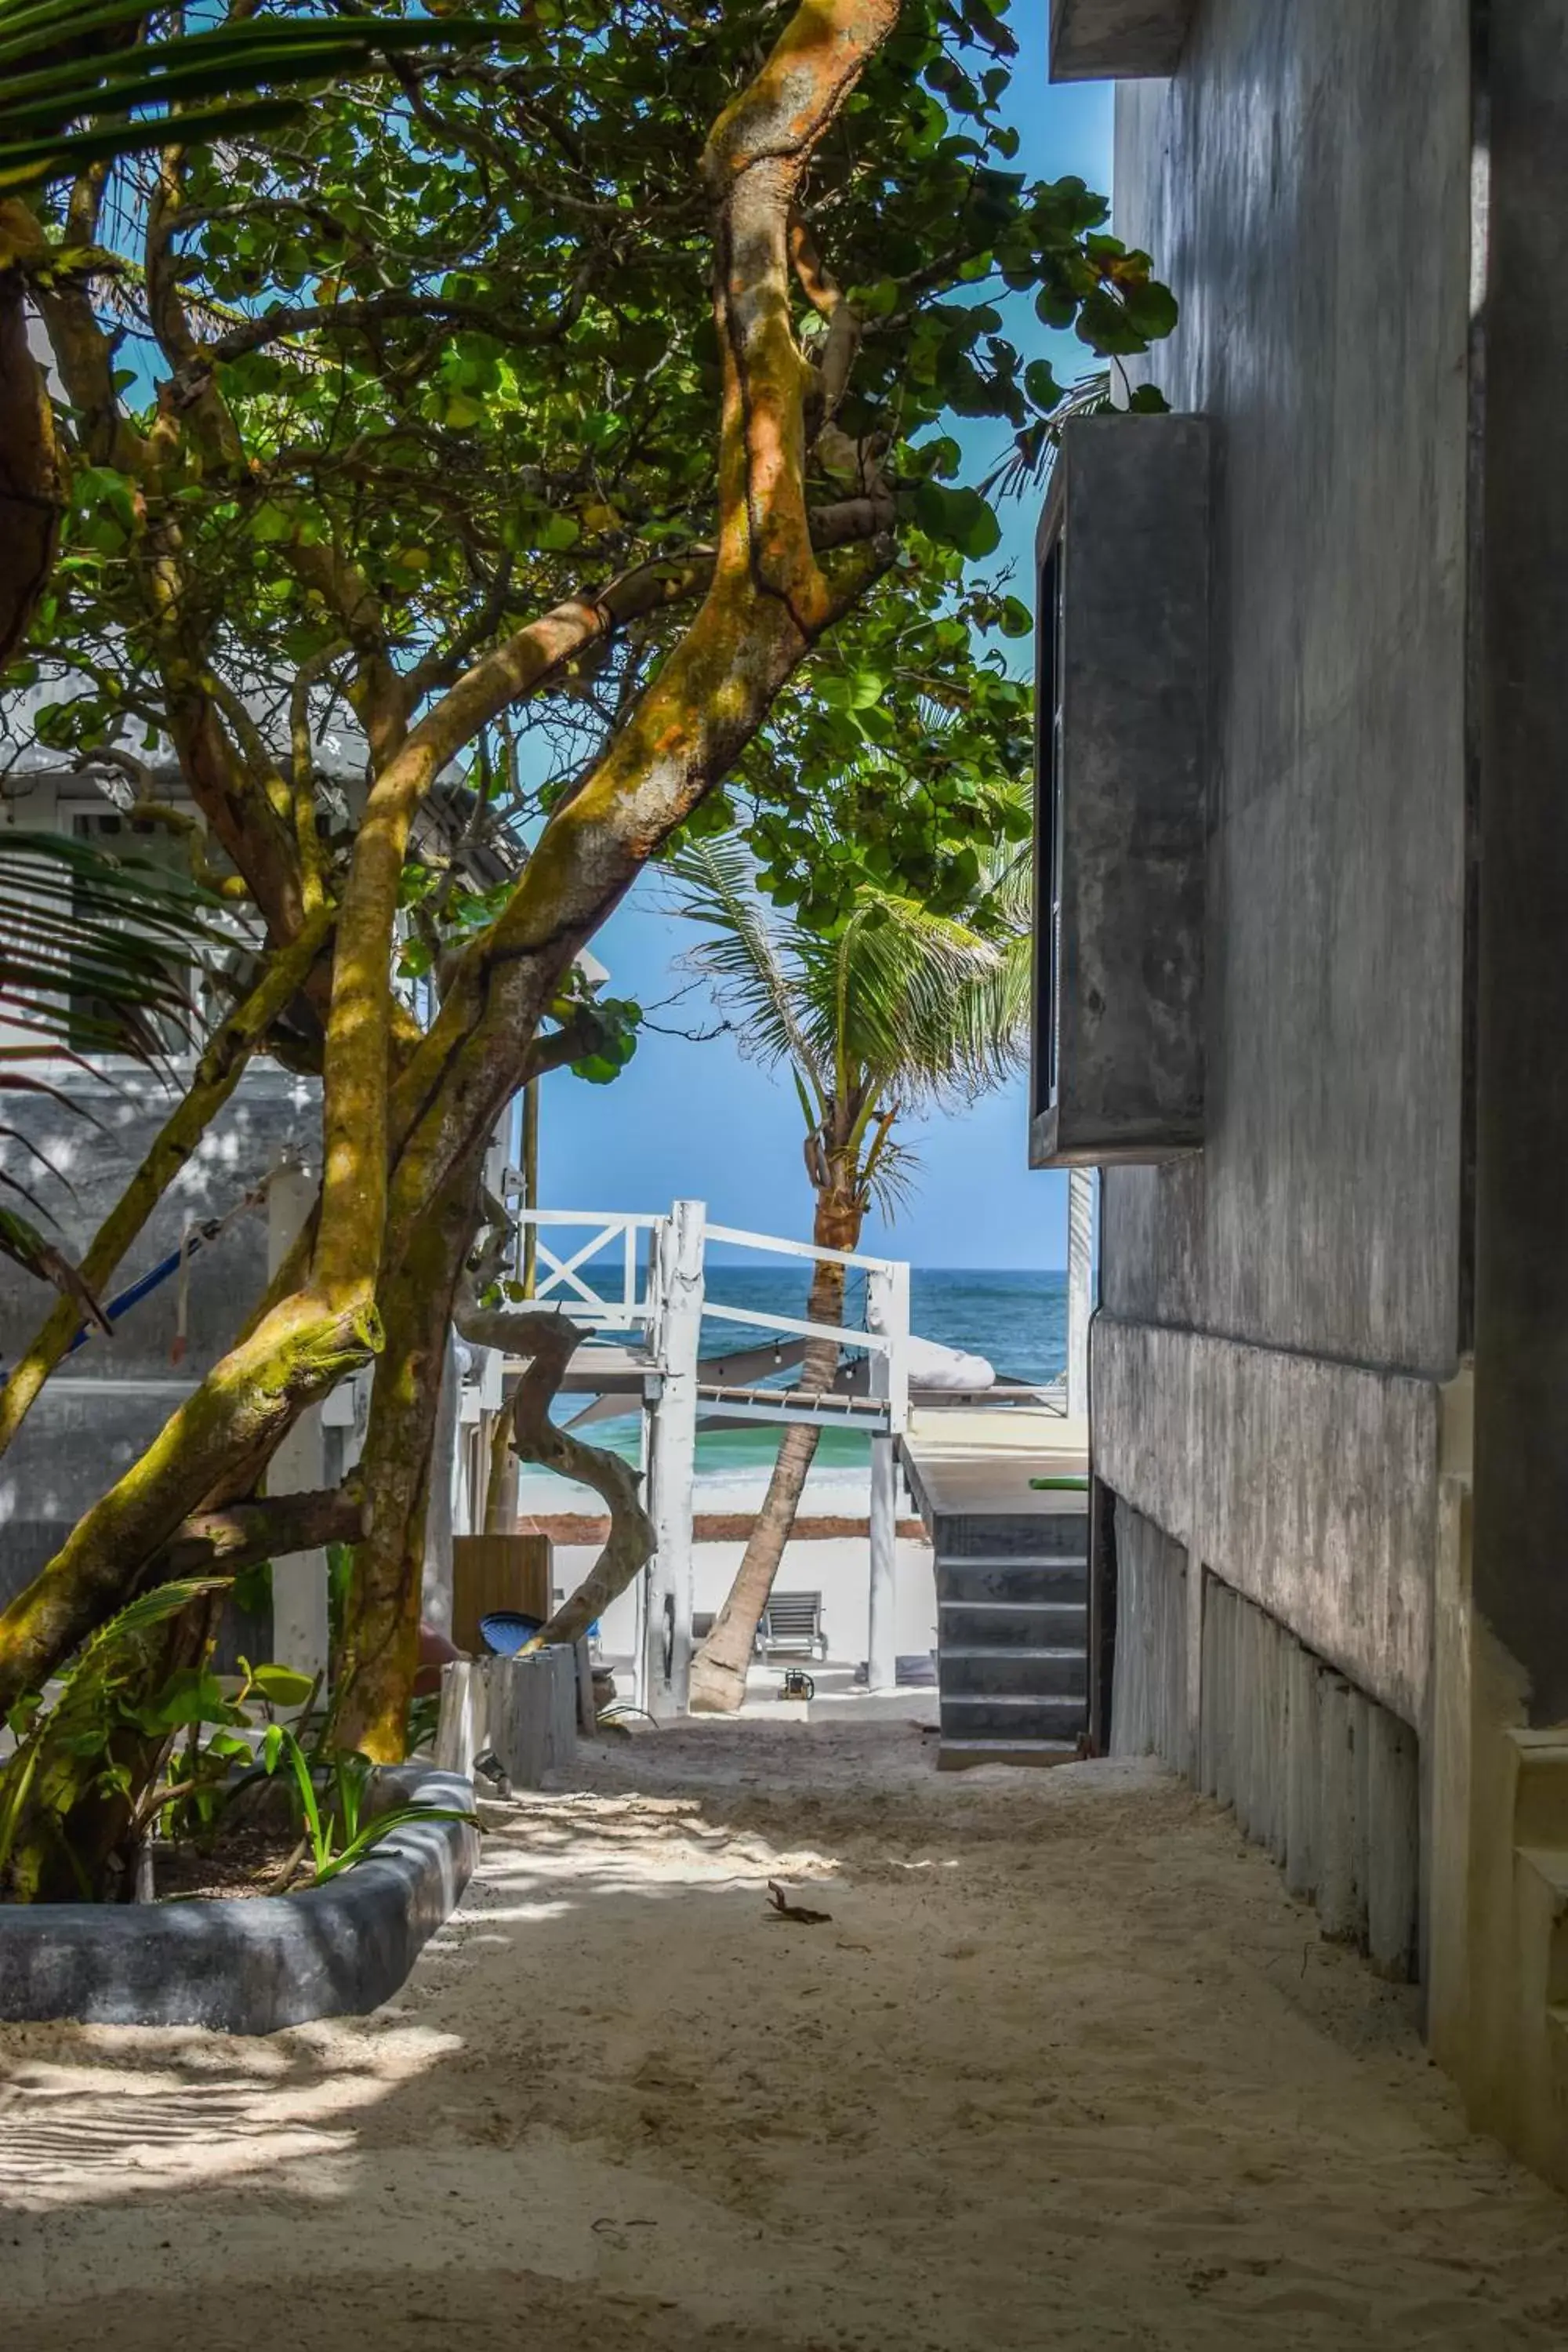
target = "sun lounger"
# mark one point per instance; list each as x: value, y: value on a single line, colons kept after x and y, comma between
x: 791, y: 1627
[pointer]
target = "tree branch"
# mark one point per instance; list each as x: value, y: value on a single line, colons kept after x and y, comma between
x: 215, y: 1076
x: 352, y: 317
x: 547, y: 1342
x: 244, y: 1533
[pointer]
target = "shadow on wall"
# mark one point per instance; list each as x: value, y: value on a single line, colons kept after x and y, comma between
x: 1322, y: 1776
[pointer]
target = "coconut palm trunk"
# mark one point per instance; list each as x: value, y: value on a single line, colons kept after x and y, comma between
x: 718, y: 1667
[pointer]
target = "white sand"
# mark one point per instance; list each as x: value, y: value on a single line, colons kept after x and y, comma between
x: 1065, y: 2069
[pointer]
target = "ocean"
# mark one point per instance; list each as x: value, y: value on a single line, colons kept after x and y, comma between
x: 1015, y: 1318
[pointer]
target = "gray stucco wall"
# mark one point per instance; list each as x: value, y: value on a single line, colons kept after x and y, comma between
x: 1303, y: 183
x: 110, y: 1398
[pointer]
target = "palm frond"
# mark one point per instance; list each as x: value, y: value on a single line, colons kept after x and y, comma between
x: 898, y: 1006
x: 912, y: 998
x: 742, y: 957
x: 79, y: 83
x: 96, y: 951
x: 890, y: 1177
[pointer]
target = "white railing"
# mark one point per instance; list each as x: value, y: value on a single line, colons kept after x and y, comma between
x: 666, y: 1301
x: 563, y: 1281
x: 886, y: 1336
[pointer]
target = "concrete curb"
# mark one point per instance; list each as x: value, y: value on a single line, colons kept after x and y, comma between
x: 248, y: 1967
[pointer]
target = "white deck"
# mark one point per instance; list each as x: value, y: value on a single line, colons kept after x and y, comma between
x: 983, y: 1462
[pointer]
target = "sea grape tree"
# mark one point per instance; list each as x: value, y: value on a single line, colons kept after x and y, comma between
x: 576, y: 412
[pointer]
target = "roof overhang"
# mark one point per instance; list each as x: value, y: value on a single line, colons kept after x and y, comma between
x: 1117, y: 40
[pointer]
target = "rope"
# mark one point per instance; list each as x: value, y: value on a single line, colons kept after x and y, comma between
x: 192, y: 1239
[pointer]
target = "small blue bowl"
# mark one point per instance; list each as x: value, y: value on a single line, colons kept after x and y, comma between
x: 507, y: 1631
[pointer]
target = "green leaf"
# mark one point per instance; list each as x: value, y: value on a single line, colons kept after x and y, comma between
x: 271, y: 523
x: 1147, y: 400
x: 1150, y: 307
x: 960, y: 519
x: 557, y: 531
x: 1040, y: 383
x: 21, y: 1716
x: 282, y: 1686
x: 253, y: 1588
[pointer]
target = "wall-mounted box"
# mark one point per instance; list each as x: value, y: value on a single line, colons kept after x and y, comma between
x: 1117, y: 40
x: 1121, y: 785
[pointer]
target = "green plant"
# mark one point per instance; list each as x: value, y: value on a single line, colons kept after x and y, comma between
x: 91, y: 86
x: 194, y: 1803
x: 337, y: 1834
x: 593, y: 392
x: 424, y: 1717
x: 102, y: 1720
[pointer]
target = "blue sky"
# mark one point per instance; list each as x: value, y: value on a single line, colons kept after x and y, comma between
x: 698, y: 1121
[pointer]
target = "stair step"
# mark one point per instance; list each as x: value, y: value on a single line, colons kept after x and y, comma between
x: 1011, y: 1560
x: 1021, y: 1698
x: 1008, y: 1625
x: 1550, y: 1865
x: 1011, y: 1715
x: 974, y: 1650
x: 1003, y: 1673
x: 1002, y: 1608
x: 1007, y: 1536
x: 960, y: 1754
x: 1540, y: 1791
x: 963, y: 1580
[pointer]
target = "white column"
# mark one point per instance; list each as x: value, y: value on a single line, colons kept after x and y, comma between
x: 300, y: 1625
x: 887, y: 1312
x: 1080, y: 1286
x: 881, y: 1646
x: 672, y: 1462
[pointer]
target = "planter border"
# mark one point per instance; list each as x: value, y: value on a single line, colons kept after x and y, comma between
x: 256, y: 1964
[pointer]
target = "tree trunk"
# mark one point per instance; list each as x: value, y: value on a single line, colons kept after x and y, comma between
x: 380, y: 1632
x: 547, y: 1340
x: 718, y: 1667
x: 32, y: 487
x: 301, y: 1349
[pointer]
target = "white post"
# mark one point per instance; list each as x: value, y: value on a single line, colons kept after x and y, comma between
x: 1080, y: 1286
x: 300, y: 1624
x: 672, y: 1462
x: 887, y: 1312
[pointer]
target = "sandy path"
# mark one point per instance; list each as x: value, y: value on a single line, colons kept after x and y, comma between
x: 1065, y: 2068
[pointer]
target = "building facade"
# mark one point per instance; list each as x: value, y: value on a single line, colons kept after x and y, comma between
x: 1330, y: 1370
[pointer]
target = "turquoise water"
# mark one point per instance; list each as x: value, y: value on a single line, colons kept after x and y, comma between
x: 1015, y: 1318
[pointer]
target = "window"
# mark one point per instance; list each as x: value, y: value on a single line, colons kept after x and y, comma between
x: 1121, y: 758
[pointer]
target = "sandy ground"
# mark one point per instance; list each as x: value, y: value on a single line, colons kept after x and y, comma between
x: 1064, y: 2068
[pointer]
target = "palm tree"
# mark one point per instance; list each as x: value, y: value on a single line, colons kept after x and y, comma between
x: 895, y: 1010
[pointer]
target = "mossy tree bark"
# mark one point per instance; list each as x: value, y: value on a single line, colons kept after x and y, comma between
x: 381, y: 1637
x: 32, y: 484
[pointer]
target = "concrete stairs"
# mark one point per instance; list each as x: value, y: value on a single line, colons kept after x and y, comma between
x: 1540, y: 1915
x: 1012, y: 1635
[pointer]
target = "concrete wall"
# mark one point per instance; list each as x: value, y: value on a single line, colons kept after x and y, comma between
x: 1282, y: 1308
x: 1314, y: 1770
x: 100, y: 1411
x: 1365, y: 212
x: 1303, y: 183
